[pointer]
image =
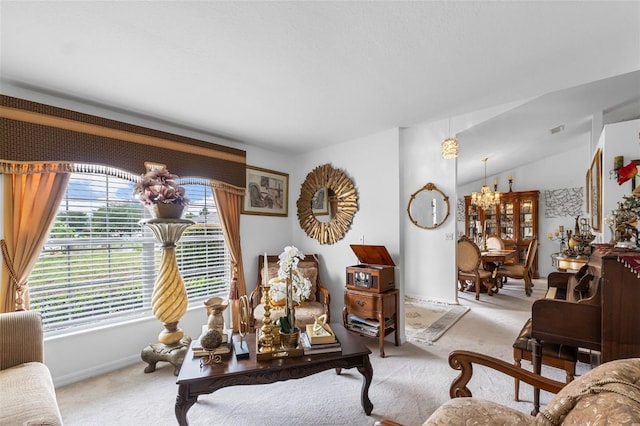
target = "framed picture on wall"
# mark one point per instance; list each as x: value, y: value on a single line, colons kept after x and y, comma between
x: 587, y: 191
x: 267, y: 192
x: 595, y: 191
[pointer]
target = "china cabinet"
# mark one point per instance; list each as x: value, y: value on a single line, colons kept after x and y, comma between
x: 515, y: 220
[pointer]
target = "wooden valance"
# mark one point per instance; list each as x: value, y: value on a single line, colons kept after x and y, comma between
x: 31, y: 131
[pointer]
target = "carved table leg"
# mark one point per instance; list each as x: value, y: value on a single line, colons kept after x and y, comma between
x: 367, y: 371
x: 183, y: 403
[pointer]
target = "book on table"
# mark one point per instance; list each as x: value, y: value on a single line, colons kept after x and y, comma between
x: 224, y: 348
x: 320, y: 333
x: 318, y: 348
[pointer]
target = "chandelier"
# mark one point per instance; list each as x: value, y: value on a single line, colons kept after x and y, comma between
x: 450, y: 147
x: 485, y: 198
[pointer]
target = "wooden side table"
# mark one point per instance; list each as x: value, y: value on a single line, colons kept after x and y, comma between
x: 376, y: 307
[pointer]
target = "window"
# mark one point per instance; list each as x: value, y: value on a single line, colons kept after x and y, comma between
x: 99, y: 264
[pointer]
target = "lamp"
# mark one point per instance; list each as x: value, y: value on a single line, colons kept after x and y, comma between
x: 450, y: 147
x: 485, y: 198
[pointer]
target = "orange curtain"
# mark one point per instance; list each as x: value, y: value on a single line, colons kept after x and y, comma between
x: 229, y: 201
x: 31, y: 196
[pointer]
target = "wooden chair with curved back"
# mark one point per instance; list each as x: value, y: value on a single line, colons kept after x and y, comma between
x: 469, y: 263
x: 521, y: 271
x: 494, y: 242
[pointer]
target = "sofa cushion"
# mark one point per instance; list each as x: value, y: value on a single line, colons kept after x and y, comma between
x: 28, y: 396
x: 476, y: 411
x: 607, y: 395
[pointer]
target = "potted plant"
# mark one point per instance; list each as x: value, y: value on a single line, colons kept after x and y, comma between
x: 159, y: 191
x: 288, y: 261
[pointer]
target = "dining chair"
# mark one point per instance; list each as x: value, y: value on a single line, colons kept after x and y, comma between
x: 469, y: 261
x: 521, y: 271
x: 495, y: 242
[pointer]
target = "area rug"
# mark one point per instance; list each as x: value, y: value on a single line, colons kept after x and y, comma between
x: 426, y: 322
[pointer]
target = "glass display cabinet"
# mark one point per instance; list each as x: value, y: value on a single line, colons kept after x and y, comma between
x: 515, y: 220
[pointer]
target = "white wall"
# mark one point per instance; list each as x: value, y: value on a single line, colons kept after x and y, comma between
x: 429, y: 256
x: 372, y: 163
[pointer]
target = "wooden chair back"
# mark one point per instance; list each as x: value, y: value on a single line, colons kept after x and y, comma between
x: 495, y: 242
x: 468, y: 257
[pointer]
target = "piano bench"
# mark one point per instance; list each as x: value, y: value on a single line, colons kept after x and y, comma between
x: 553, y: 355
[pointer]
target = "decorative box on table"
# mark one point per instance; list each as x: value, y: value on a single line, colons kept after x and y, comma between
x: 376, y: 271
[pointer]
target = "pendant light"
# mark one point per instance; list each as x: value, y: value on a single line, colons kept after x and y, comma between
x: 450, y: 147
x: 485, y: 198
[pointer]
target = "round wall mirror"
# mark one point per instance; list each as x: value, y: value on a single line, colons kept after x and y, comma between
x: 328, y: 201
x: 428, y: 207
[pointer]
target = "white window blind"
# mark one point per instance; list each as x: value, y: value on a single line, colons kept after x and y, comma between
x: 99, y: 264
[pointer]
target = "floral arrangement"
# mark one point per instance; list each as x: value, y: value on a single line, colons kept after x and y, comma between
x: 295, y: 286
x: 158, y: 186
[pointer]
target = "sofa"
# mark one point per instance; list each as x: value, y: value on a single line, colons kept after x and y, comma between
x: 27, y: 394
x: 606, y: 395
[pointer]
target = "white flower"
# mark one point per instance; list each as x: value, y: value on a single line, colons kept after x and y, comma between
x: 288, y: 262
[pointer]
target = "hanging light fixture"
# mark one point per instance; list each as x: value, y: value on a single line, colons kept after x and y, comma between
x: 485, y: 198
x: 450, y: 147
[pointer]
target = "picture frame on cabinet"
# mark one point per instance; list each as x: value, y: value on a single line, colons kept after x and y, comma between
x: 267, y: 192
x: 595, y: 191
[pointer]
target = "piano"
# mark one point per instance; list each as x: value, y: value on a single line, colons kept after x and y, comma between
x: 597, y: 309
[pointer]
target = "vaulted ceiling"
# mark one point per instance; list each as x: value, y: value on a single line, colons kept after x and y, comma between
x: 293, y: 76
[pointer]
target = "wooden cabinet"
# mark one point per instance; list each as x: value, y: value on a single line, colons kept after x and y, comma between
x: 378, y: 310
x: 515, y: 220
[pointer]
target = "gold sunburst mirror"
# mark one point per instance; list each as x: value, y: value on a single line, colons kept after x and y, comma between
x: 327, y: 204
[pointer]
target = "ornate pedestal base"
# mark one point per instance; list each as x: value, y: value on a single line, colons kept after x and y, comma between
x: 173, y: 354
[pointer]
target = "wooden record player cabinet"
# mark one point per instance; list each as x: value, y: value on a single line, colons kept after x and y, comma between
x: 381, y: 308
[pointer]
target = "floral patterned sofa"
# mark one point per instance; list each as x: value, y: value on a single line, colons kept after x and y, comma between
x: 607, y: 395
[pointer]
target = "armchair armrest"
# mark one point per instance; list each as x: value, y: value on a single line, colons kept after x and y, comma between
x: 21, y: 338
x: 464, y: 360
x: 325, y: 299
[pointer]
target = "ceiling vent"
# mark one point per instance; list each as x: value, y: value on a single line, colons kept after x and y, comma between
x: 557, y: 129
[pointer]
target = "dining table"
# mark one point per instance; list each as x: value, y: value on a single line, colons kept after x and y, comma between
x: 493, y: 258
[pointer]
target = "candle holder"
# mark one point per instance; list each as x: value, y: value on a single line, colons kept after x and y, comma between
x: 561, y: 236
x: 510, y: 184
x: 265, y: 341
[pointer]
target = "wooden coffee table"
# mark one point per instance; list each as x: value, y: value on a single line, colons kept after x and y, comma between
x: 194, y: 380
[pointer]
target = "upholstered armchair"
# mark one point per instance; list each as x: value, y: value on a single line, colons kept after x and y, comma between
x: 317, y: 305
x: 27, y: 394
x: 608, y: 394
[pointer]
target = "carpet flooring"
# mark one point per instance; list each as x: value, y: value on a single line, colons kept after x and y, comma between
x: 408, y: 384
